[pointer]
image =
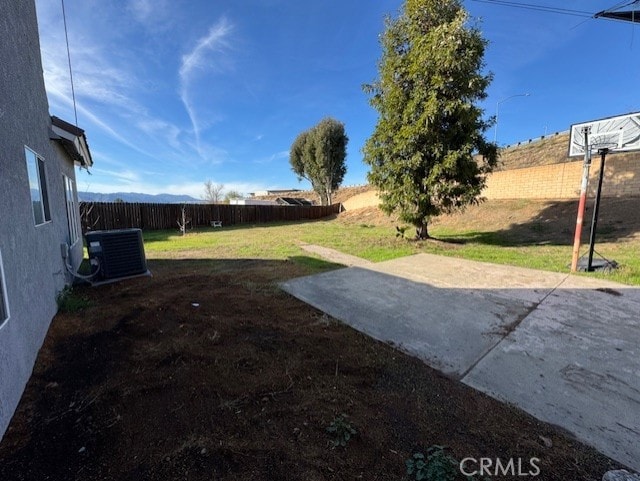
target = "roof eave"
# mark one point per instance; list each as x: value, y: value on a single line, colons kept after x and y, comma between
x: 73, y: 141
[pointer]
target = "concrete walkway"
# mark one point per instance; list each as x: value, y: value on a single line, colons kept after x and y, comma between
x: 336, y: 256
x: 564, y: 348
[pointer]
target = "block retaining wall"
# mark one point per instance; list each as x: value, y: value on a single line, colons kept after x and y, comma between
x: 562, y: 181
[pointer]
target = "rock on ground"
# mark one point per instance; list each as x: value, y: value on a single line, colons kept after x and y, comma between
x: 620, y: 475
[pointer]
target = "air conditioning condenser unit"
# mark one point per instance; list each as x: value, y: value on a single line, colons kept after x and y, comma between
x: 116, y: 254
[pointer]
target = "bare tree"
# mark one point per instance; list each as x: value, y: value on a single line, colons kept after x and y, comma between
x: 184, y: 222
x: 213, y: 192
x: 87, y: 220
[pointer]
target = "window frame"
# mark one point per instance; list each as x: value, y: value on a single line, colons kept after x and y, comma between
x: 5, y: 313
x: 73, y: 221
x: 36, y: 173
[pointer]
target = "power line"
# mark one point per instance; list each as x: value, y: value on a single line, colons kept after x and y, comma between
x: 622, y: 5
x: 605, y: 14
x: 539, y: 8
x: 66, y: 36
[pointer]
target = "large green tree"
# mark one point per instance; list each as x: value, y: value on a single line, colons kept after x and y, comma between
x: 428, y: 154
x: 318, y: 155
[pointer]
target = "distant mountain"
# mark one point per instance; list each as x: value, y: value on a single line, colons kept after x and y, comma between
x: 136, y: 197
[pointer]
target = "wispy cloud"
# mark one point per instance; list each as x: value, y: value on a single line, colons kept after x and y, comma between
x: 104, y: 82
x: 284, y: 154
x: 185, y: 187
x: 126, y: 176
x: 209, y: 154
x: 150, y: 12
x: 154, y: 82
x: 59, y: 99
x: 161, y: 128
x: 96, y: 77
x: 216, y: 40
x: 200, y: 59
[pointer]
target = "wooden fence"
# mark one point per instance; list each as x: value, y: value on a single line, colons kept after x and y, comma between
x: 122, y: 215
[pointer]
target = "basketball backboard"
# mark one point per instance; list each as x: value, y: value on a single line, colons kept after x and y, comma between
x: 618, y: 134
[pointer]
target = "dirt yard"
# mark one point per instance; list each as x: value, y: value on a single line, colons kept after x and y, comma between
x: 208, y: 371
x: 526, y: 221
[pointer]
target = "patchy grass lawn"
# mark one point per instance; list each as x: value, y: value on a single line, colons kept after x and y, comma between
x: 208, y: 371
x: 522, y: 233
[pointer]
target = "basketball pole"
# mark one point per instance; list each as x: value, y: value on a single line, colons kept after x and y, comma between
x: 596, y: 210
x: 583, y: 200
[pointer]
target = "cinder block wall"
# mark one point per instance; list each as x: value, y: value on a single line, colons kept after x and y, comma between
x: 540, y: 169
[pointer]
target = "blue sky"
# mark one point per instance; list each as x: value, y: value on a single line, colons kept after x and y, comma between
x: 172, y: 93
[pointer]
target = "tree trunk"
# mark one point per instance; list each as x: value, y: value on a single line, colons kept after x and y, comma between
x: 329, y: 190
x: 422, y: 232
x: 321, y: 194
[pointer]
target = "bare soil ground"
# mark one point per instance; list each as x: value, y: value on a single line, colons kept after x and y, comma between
x: 208, y: 371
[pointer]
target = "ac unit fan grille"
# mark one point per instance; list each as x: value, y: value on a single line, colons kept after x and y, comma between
x: 123, y: 256
x: 121, y: 253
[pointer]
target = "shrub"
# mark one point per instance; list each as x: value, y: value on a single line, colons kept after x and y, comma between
x: 438, y: 465
x: 69, y: 301
x: 341, y: 430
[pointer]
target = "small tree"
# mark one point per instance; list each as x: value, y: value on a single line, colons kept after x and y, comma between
x: 427, y: 153
x: 183, y: 221
x: 232, y: 195
x: 213, y: 192
x: 318, y: 155
x: 87, y: 220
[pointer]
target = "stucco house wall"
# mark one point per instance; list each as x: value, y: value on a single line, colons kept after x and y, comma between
x: 32, y: 261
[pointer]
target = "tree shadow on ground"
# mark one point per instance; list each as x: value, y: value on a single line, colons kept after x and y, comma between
x: 618, y: 220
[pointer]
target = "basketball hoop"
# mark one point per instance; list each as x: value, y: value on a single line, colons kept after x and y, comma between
x: 604, y: 136
x: 618, y: 134
x: 601, y: 142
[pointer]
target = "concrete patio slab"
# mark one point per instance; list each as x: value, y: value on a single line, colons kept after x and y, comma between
x: 496, y: 280
x: 563, y: 348
x: 450, y: 329
x: 575, y: 362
